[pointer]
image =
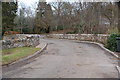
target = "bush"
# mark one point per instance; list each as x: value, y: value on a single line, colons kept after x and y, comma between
x: 69, y: 32
x: 76, y: 31
x: 27, y: 30
x: 60, y: 28
x: 111, y: 42
x: 113, y: 30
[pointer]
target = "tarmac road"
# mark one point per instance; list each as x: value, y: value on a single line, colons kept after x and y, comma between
x: 68, y: 59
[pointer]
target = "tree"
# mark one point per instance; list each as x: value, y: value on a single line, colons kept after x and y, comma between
x: 24, y: 19
x: 9, y: 10
x: 77, y: 17
x: 43, y: 20
x: 57, y: 14
x: 0, y: 20
x: 118, y: 3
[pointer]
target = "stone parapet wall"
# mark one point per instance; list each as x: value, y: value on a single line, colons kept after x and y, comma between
x: 102, y: 38
x: 20, y: 40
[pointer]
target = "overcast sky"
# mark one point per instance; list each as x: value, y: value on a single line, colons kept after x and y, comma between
x: 28, y: 2
x: 33, y: 2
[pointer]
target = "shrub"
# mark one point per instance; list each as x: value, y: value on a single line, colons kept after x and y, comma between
x: 69, y: 32
x: 113, y: 30
x: 27, y: 30
x: 60, y: 28
x: 111, y: 42
x: 76, y: 31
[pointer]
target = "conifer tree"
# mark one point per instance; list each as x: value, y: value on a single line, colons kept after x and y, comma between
x: 9, y: 10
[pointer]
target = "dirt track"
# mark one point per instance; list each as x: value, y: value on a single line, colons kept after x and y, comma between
x: 68, y: 59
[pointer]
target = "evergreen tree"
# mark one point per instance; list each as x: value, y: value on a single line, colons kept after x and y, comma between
x: 44, y: 17
x: 0, y: 20
x: 118, y: 3
x: 9, y: 10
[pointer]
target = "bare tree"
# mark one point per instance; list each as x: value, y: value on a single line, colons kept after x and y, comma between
x: 86, y: 17
x: 118, y: 16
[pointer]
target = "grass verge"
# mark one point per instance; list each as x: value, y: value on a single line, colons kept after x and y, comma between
x: 13, y: 54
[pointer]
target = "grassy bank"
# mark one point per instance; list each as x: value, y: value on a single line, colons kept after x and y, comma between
x: 13, y: 54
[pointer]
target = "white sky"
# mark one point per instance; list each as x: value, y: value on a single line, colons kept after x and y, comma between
x: 28, y: 2
x: 33, y: 3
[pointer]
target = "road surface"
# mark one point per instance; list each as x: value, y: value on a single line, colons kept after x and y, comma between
x: 68, y: 59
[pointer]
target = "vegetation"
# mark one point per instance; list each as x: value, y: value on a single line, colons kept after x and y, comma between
x: 9, y: 10
x: 0, y: 20
x: 111, y: 42
x: 86, y: 17
x: 113, y: 30
x: 13, y: 54
x: 118, y: 4
x: 24, y: 20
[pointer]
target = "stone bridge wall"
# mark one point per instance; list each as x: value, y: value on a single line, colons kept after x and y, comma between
x: 20, y: 40
x: 101, y: 38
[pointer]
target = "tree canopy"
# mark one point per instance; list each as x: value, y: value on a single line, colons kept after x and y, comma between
x: 9, y: 10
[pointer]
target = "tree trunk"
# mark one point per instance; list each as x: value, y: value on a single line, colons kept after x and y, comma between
x: 118, y: 16
x: 118, y: 26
